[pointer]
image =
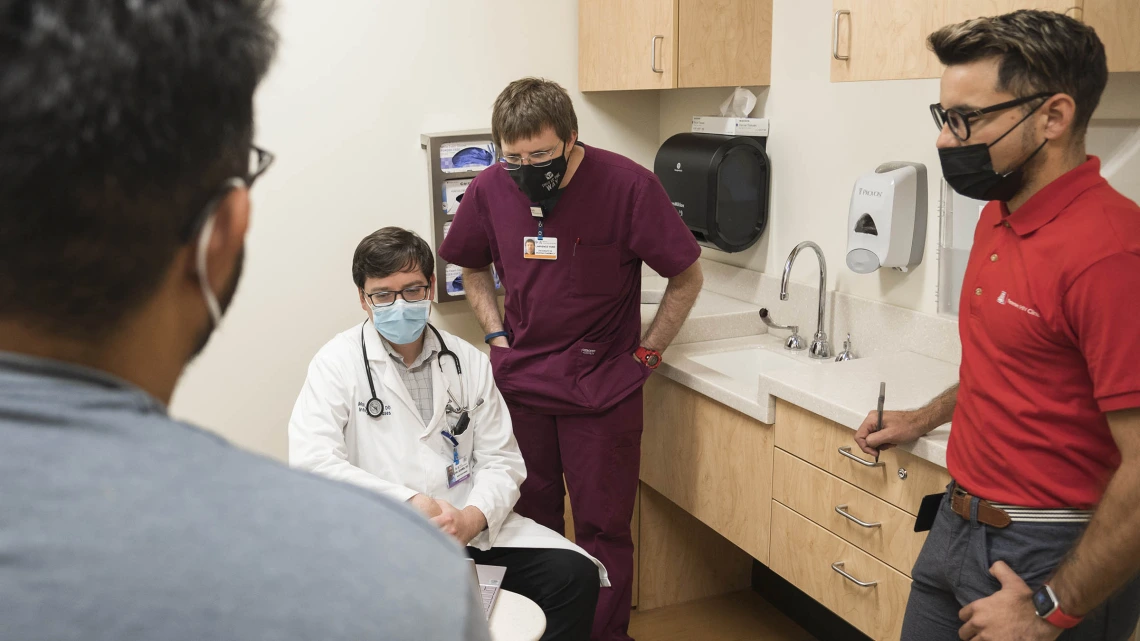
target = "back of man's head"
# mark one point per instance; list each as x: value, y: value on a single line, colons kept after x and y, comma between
x: 119, y: 122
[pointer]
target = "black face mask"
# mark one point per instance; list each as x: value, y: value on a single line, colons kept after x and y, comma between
x: 970, y: 170
x: 540, y: 183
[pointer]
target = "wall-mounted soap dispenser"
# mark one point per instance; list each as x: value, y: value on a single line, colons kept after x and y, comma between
x: 887, y: 221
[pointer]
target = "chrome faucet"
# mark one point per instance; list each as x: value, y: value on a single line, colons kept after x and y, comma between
x: 819, y: 345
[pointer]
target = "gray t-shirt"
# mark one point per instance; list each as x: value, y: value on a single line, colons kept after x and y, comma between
x: 118, y: 523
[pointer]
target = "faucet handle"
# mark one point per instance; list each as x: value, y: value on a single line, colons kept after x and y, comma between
x: 846, y: 354
x: 793, y: 342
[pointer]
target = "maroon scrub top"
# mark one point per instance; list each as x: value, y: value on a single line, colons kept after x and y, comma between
x: 574, y: 322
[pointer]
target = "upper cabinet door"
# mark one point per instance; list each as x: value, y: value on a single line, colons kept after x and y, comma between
x: 954, y: 11
x: 881, y: 40
x: 1117, y: 22
x: 886, y: 39
x: 724, y: 43
x: 627, y: 44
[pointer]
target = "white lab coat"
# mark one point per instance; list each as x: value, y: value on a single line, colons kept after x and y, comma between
x: 331, y: 434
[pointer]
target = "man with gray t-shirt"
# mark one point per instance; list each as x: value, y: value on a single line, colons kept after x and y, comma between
x: 126, y: 159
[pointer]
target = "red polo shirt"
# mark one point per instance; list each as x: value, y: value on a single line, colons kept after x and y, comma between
x: 1050, y: 328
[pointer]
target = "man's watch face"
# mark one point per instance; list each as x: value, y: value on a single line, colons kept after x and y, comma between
x: 1042, y: 602
x: 652, y: 360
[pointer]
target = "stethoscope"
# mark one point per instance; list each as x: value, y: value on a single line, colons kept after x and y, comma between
x: 375, y: 406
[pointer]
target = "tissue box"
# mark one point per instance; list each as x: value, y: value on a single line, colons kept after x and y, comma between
x: 730, y: 126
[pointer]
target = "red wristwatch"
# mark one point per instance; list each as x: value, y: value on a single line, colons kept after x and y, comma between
x: 650, y: 358
x: 1048, y: 608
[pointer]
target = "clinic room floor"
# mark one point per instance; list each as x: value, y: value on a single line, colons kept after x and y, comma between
x: 741, y: 616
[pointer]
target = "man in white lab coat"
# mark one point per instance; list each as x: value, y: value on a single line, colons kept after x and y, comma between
x: 405, y: 410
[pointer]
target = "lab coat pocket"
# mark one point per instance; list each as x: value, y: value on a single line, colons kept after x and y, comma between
x: 595, y: 270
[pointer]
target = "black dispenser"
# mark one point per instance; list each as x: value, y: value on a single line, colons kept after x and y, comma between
x: 719, y: 185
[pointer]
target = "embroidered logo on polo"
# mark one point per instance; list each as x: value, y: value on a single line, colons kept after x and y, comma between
x: 1004, y: 299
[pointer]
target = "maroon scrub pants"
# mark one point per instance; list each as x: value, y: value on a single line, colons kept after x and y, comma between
x: 600, y: 455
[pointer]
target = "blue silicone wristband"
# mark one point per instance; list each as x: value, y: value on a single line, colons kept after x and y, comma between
x: 493, y: 335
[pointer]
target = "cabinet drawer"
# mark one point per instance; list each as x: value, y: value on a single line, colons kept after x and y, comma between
x: 816, y: 494
x: 804, y: 554
x: 901, y: 478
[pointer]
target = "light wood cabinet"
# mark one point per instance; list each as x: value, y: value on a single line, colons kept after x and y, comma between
x: 809, y: 556
x: 886, y: 39
x: 681, y: 559
x: 627, y: 44
x: 667, y: 44
x: 900, y: 478
x: 886, y: 532
x: 1116, y: 22
x: 712, y: 461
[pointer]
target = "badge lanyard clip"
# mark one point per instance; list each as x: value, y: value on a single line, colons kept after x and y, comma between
x: 454, y: 447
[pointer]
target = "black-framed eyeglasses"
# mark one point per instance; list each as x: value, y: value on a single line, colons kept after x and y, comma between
x: 537, y: 159
x: 959, y: 121
x: 409, y: 294
x: 258, y: 163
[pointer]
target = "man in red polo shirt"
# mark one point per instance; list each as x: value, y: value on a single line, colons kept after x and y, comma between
x: 567, y: 227
x: 1039, y: 531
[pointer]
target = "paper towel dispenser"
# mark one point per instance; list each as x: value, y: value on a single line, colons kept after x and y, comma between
x: 719, y: 185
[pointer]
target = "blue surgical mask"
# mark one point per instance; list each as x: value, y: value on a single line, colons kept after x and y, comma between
x: 401, y: 322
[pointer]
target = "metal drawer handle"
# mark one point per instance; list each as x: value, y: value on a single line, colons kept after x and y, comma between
x: 653, y: 54
x: 835, y: 35
x: 838, y: 567
x: 846, y: 451
x: 842, y: 510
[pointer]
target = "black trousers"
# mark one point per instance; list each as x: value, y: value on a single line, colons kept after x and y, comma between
x: 562, y: 582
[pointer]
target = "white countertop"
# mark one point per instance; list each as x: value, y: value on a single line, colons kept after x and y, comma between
x: 713, y: 317
x: 747, y: 373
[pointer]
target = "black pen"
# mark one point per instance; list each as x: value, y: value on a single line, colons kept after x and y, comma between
x: 882, y: 397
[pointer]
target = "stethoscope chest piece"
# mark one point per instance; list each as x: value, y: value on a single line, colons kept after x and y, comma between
x: 375, y: 407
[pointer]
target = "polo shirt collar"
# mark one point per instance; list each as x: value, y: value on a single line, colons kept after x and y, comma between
x: 1048, y: 203
x: 431, y: 346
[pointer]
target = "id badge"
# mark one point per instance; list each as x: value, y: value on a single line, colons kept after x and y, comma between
x: 458, y: 472
x: 535, y: 248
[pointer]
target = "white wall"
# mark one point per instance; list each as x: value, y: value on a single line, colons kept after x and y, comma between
x: 825, y: 135
x: 356, y: 83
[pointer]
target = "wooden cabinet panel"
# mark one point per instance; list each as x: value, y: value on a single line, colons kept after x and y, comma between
x: 616, y: 40
x: 883, y: 40
x: 1117, y: 22
x: 818, y: 440
x: 886, y: 39
x: 712, y: 461
x: 724, y: 42
x: 803, y: 553
x: 954, y: 11
x: 681, y: 559
x: 816, y: 494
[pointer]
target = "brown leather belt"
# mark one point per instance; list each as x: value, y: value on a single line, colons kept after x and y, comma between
x: 960, y: 502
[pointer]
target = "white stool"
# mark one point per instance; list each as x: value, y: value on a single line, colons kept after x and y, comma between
x: 516, y: 618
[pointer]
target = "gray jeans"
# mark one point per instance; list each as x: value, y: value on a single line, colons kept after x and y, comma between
x: 953, y: 570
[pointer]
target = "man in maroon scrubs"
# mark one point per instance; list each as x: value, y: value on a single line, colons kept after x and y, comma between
x: 567, y: 228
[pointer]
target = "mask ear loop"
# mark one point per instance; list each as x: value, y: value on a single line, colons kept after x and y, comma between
x: 203, y: 245
x: 1023, y: 119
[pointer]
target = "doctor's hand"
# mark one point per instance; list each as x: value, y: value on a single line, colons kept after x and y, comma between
x: 426, y: 505
x: 898, y: 428
x: 462, y: 525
